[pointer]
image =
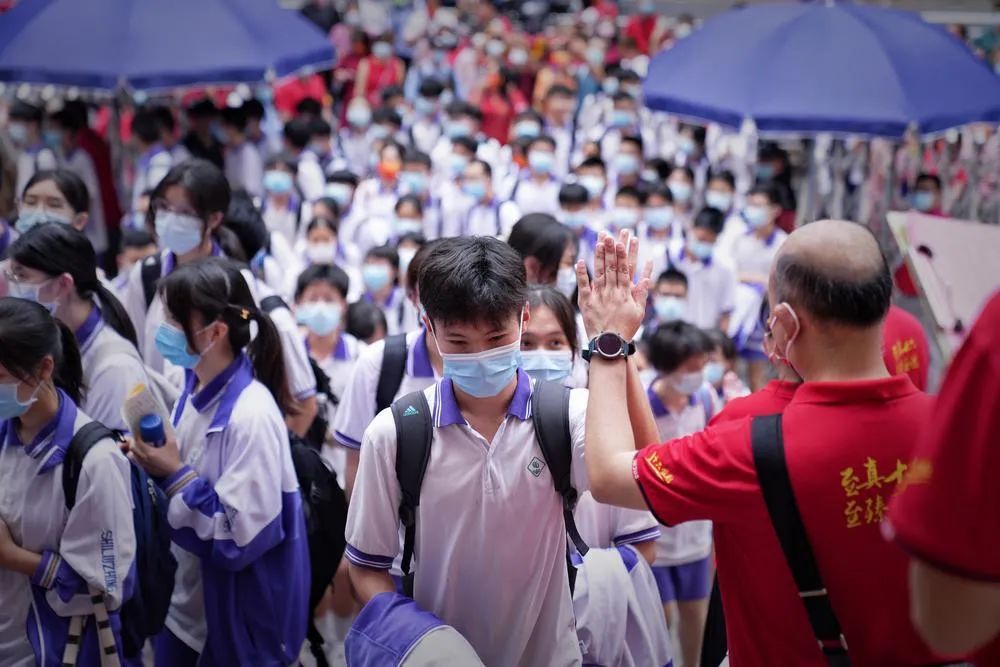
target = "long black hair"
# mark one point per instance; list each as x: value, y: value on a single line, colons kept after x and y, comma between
x: 539, y: 235
x: 216, y: 290
x: 551, y: 298
x: 208, y: 191
x: 69, y: 184
x: 55, y: 249
x: 28, y: 334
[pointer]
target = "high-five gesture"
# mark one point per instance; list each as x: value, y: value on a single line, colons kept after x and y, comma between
x: 614, y: 301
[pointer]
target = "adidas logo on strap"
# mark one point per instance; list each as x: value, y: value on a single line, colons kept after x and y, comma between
x: 410, y: 411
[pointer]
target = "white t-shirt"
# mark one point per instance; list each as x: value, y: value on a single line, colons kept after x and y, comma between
x: 711, y: 291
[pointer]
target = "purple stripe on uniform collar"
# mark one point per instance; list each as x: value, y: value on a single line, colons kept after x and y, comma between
x: 60, y: 429
x: 590, y: 236
x: 340, y: 353
x: 230, y: 383
x: 148, y: 156
x: 89, y: 327
x: 448, y: 413
x: 170, y: 261
x: 420, y: 358
x: 659, y: 409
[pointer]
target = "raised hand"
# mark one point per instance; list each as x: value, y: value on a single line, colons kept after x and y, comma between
x: 614, y: 301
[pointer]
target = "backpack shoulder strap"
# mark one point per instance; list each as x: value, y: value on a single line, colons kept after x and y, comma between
x: 550, y: 417
x: 391, y: 376
x: 776, y: 486
x: 83, y: 441
x: 152, y: 267
x: 269, y: 304
x: 414, y: 432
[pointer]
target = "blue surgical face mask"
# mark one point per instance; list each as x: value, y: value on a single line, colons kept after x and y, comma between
x: 483, y: 374
x: 415, y: 182
x: 527, y: 129
x: 659, y: 217
x: 18, y: 133
x: 339, y: 192
x: 621, y: 118
x: 547, y: 365
x: 595, y: 185
x: 714, y: 371
x: 573, y: 219
x: 624, y: 218
x: 669, y: 308
x: 425, y: 106
x: 28, y: 218
x: 686, y: 383
x: 756, y: 216
x: 685, y: 145
x: 10, y: 406
x: 474, y: 189
x: 406, y: 226
x: 765, y: 171
x: 278, y: 182
x: 701, y: 249
x: 541, y: 161
x: 609, y: 86
x: 359, y: 116
x: 457, y: 164
x: 681, y: 191
x: 180, y: 234
x: 923, y: 201
x: 320, y: 317
x: 172, y: 345
x: 30, y: 292
x: 626, y: 163
x: 456, y: 129
x: 720, y: 201
x: 375, y: 276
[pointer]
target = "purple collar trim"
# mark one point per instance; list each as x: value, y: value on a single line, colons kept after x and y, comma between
x: 170, y: 261
x: 420, y: 358
x: 228, y: 384
x: 447, y: 412
x: 56, y: 434
x: 89, y: 327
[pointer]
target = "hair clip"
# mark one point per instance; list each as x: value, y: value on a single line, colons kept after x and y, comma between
x: 245, y: 314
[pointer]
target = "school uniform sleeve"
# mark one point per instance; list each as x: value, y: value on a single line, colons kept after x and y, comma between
x: 706, y: 475
x: 373, y: 515
x: 158, y: 168
x: 110, y: 385
x: 577, y: 430
x: 509, y: 215
x: 134, y: 302
x: 238, y: 519
x: 98, y: 544
x: 310, y: 179
x: 357, y: 405
x: 253, y: 171
x: 948, y: 511
x: 727, y: 291
x: 631, y: 526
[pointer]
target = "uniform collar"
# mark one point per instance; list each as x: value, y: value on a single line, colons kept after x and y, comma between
x: 86, y: 332
x: 769, y: 241
x: 447, y: 412
x: 898, y: 386
x: 420, y: 358
x: 226, y: 387
x: 54, y: 436
x: 656, y: 403
x: 170, y: 261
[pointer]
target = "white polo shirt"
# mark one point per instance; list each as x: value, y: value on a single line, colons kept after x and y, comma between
x: 603, y: 526
x: 491, y: 543
x: 711, y: 290
x: 751, y: 254
x: 532, y: 196
x: 690, y: 541
x: 357, y: 403
x: 494, y: 218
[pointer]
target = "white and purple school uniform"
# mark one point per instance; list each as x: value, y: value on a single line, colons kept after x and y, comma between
x: 355, y: 147
x: 683, y: 552
x: 245, y: 168
x: 534, y: 197
x: 492, y: 218
x: 754, y: 255
x: 33, y: 158
x: 338, y: 367
x: 471, y: 519
x: 285, y: 221
x: 90, y: 547
x: 373, y: 199
x: 241, y: 592
x: 150, y: 168
x: 391, y: 307
x: 711, y: 290
x: 112, y: 367
x: 309, y: 176
x: 357, y: 403
x: 603, y: 526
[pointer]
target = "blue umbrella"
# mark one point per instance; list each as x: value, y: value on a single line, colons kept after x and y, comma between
x: 151, y: 44
x: 824, y: 67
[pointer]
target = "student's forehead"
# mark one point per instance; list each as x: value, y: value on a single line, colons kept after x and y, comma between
x: 478, y: 327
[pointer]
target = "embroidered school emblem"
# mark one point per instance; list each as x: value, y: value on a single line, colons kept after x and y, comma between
x: 536, y: 467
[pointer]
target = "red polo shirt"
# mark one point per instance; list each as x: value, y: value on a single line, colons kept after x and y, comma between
x: 949, y: 513
x: 847, y: 446
x: 904, y: 346
x: 771, y: 399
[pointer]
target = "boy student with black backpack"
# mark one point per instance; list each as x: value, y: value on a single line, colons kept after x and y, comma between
x: 495, y: 526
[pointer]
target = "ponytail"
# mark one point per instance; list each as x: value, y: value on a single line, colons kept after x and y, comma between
x: 114, y: 314
x: 269, y: 363
x: 28, y: 334
x: 68, y: 374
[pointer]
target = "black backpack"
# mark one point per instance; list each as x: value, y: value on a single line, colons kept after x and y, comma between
x: 414, y: 432
x: 152, y: 269
x: 142, y: 615
x: 390, y: 377
x: 323, y: 503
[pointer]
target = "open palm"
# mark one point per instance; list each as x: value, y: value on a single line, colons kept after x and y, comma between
x: 614, y: 301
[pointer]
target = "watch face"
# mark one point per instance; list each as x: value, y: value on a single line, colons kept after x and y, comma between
x: 609, y: 345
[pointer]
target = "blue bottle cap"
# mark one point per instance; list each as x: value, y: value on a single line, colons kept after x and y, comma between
x: 151, y: 429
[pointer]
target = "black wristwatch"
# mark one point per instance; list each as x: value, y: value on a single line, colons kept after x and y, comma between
x: 608, y: 345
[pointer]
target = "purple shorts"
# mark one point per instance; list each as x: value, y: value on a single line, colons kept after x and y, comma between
x: 684, y: 582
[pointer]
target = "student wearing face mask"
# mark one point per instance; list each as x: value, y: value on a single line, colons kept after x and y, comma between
x: 548, y: 251
x: 58, y: 195
x: 661, y: 238
x: 474, y: 293
x: 711, y: 284
x: 537, y: 190
x: 576, y: 211
x: 485, y: 214
x: 425, y: 130
x: 242, y: 588
x: 281, y: 205
x: 416, y: 179
x: 376, y: 196
x: 380, y: 278
x: 720, y: 194
x: 625, y: 167
x: 309, y: 178
x: 54, y: 560
x: 267, y: 253
x: 24, y: 127
x: 720, y: 370
x: 55, y: 266
x: 550, y: 342
x: 627, y: 210
x: 681, y: 184
x: 682, y: 403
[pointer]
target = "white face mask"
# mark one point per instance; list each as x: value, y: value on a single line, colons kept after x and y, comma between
x: 686, y: 383
x: 566, y: 281
x: 321, y: 253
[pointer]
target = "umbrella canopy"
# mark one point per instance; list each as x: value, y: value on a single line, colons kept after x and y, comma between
x: 152, y: 44
x: 824, y: 67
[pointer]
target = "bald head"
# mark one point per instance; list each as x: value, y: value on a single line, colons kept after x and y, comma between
x: 833, y: 270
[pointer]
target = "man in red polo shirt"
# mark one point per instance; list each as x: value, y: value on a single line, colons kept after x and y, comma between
x: 848, y: 436
x: 948, y: 515
x: 905, y: 348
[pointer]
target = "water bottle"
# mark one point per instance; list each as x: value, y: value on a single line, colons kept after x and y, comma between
x: 151, y: 430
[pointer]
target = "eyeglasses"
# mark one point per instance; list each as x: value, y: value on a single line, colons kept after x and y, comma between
x: 167, y: 207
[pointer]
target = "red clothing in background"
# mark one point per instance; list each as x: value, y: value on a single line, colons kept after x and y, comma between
x: 290, y: 92
x: 640, y: 28
x: 771, y: 399
x: 904, y: 346
x: 97, y: 148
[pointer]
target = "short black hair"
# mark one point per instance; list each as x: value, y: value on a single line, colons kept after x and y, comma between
x: 363, y: 319
x: 673, y: 275
x: 660, y: 166
x: 243, y: 218
x: 472, y: 279
x: 21, y: 110
x: 203, y: 108
x: 146, y: 126
x: 595, y: 162
x: 136, y: 238
x: 630, y: 191
x: 413, y: 156
x: 711, y: 219
x: 635, y: 140
x: 386, y: 115
x: 539, y: 235
x: 320, y: 128
x: 309, y: 106
x: 487, y: 169
x: 234, y: 117
x: 253, y: 108
x: 468, y: 143
x: 542, y: 139
x: 386, y: 252
x: 858, y: 300
x: 933, y: 179
x: 327, y: 223
x: 343, y: 176
x: 298, y: 132
x: 391, y: 91
x: 673, y: 343
x: 411, y: 199
x: 430, y: 87
x: 573, y: 193
x: 660, y: 189
x: 768, y: 190
x: 684, y: 169
x: 560, y: 90
x: 622, y: 96
x: 331, y: 274
x: 723, y: 175
x: 721, y: 340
